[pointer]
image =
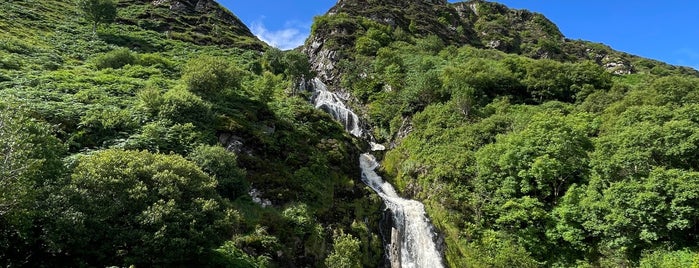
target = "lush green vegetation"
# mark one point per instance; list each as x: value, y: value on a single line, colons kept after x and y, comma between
x: 112, y: 148
x: 98, y: 11
x: 548, y: 156
x: 171, y: 139
x: 537, y: 162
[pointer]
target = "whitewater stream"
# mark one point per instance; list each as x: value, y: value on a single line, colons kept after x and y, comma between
x: 412, y: 238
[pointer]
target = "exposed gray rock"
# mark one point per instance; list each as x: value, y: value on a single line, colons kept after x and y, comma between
x: 323, y: 61
x: 617, y: 65
x: 495, y: 44
x: 231, y: 142
x: 258, y: 199
x: 405, y: 129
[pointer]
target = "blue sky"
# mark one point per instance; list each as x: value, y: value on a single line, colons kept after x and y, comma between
x: 663, y: 30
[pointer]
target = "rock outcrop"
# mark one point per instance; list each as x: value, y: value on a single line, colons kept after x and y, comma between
x: 478, y: 23
x: 203, y: 22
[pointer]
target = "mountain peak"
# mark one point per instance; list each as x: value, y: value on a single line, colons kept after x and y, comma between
x: 203, y: 22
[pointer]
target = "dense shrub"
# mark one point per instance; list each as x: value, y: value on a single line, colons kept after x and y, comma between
x: 115, y: 59
x: 222, y: 166
x: 182, y: 106
x: 210, y: 77
x: 153, y: 209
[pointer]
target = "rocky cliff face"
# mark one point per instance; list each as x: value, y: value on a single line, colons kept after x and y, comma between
x: 478, y: 23
x: 203, y: 22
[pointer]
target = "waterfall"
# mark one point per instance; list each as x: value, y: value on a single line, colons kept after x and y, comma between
x: 412, y: 239
x: 331, y: 103
x: 413, y: 229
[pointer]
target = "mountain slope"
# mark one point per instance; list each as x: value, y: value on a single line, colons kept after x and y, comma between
x: 478, y: 23
x: 203, y: 22
x: 165, y: 139
x: 527, y: 148
x: 168, y: 139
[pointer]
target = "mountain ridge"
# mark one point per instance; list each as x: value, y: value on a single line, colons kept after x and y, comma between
x: 174, y: 137
x: 478, y: 23
x: 199, y: 21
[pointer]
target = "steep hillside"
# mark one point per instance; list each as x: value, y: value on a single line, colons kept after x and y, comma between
x: 167, y: 139
x: 527, y: 148
x: 173, y: 137
x: 361, y: 27
x: 203, y: 22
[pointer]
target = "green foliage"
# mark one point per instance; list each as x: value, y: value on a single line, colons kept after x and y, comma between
x: 115, y: 59
x: 521, y: 161
x: 229, y: 255
x: 268, y: 85
x: 367, y: 46
x: 30, y: 168
x: 222, y: 166
x: 293, y: 64
x: 496, y: 250
x: 540, y: 161
x: 297, y: 65
x: 156, y: 209
x: 155, y: 60
x: 139, y: 86
x: 345, y: 252
x: 273, y: 61
x: 668, y: 259
x: 98, y: 11
x: 182, y: 106
x: 163, y: 136
x: 211, y: 77
x: 505, y: 147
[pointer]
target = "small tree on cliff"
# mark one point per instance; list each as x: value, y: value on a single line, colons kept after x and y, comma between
x: 98, y: 11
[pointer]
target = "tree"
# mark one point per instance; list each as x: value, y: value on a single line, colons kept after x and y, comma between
x: 267, y: 85
x: 182, y: 106
x: 211, y: 77
x: 138, y: 208
x: 30, y: 164
x: 98, y: 11
x: 345, y: 253
x: 222, y: 166
x: 273, y: 61
x: 297, y: 65
x: 541, y: 161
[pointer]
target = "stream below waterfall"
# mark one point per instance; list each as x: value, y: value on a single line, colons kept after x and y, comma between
x: 412, y: 238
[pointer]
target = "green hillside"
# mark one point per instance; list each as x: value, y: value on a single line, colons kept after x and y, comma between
x: 528, y: 149
x: 173, y: 137
x: 113, y: 145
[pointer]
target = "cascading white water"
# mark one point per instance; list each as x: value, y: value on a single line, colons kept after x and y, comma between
x: 329, y: 102
x: 416, y: 235
x: 412, y: 236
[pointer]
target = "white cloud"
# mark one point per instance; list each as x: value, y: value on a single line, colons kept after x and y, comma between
x: 291, y: 36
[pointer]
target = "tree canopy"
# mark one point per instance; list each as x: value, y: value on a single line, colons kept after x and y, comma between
x: 98, y: 11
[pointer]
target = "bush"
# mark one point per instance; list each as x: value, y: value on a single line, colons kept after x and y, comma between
x: 15, y: 45
x: 155, y: 60
x: 229, y: 255
x: 345, y: 253
x: 153, y: 209
x: 115, y: 59
x: 221, y: 165
x: 150, y: 99
x: 181, y: 106
x: 211, y: 77
x: 10, y: 62
x: 668, y: 259
x: 367, y: 46
x: 161, y: 136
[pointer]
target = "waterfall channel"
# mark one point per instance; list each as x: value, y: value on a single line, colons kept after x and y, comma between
x: 412, y: 238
